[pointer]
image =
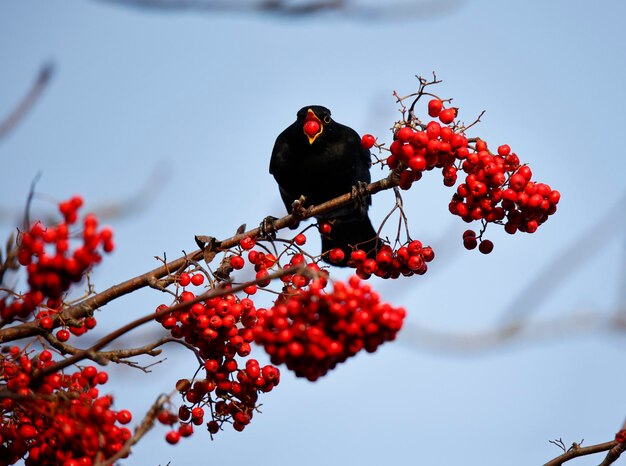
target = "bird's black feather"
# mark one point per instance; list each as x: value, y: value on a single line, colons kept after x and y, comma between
x: 324, y: 169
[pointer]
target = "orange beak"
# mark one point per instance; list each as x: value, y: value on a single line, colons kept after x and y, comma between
x: 313, y: 126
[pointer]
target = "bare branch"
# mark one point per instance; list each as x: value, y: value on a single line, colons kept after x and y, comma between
x: 509, y: 333
x: 350, y: 9
x: 27, y: 102
x: 127, y: 207
x: 569, y: 261
x: 576, y: 450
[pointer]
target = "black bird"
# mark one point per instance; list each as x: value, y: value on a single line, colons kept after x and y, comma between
x: 322, y: 159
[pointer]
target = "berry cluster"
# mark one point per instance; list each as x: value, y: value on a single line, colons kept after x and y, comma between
x: 312, y: 331
x: 264, y: 261
x: 416, y: 151
x: 51, y: 266
x: 60, y: 419
x: 496, y: 189
x: 407, y: 260
x: 221, y: 330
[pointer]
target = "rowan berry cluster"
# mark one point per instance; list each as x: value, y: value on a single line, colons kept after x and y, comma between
x: 416, y: 151
x: 311, y: 331
x: 52, y: 267
x: 220, y: 328
x: 409, y: 259
x: 496, y: 188
x: 59, y: 418
x: 263, y: 262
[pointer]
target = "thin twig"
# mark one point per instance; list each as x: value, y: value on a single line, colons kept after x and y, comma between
x: 576, y: 450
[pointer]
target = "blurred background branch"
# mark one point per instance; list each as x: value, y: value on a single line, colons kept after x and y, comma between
x: 354, y: 9
x: 23, y: 107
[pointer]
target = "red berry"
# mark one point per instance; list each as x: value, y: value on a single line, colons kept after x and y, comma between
x: 325, y: 228
x: 428, y: 254
x: 184, y: 279
x: 448, y: 115
x: 247, y: 243
x: 124, y: 416
x: 45, y: 356
x: 102, y: 378
x: 554, y: 197
x: 197, y: 279
x: 250, y: 289
x: 486, y: 246
x: 46, y: 323
x: 469, y: 233
x: 263, y: 277
x: 384, y: 258
x: 504, y: 150
x: 185, y: 430
x: 517, y: 182
x: 237, y: 262
x: 186, y: 296
x: 531, y: 226
x: 300, y: 239
x: 213, y: 427
x: 526, y: 172
x: 311, y: 128
x: 63, y: 335
x: 336, y: 255
x: 417, y: 163
x: 172, y: 437
x: 368, y: 141
x: 434, y: 107
x: 415, y: 262
x: 470, y: 242
x: 89, y: 372
x: 197, y: 413
x: 27, y: 431
x: 405, y: 134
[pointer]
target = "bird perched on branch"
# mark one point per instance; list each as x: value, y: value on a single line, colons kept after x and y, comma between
x: 320, y: 159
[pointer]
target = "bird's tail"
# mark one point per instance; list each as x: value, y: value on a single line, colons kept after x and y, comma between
x: 348, y: 235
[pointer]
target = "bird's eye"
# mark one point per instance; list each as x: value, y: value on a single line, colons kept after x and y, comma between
x: 327, y: 119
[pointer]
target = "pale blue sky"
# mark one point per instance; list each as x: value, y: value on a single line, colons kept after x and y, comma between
x: 202, y: 97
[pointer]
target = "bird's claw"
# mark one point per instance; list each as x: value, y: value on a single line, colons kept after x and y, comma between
x: 360, y: 195
x: 267, y: 230
x: 298, y: 210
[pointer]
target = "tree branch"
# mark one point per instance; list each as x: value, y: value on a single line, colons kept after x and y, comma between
x: 92, y: 352
x: 614, y: 453
x: 86, y: 307
x: 576, y: 450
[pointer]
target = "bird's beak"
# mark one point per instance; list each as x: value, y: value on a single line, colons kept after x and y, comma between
x: 313, y: 126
